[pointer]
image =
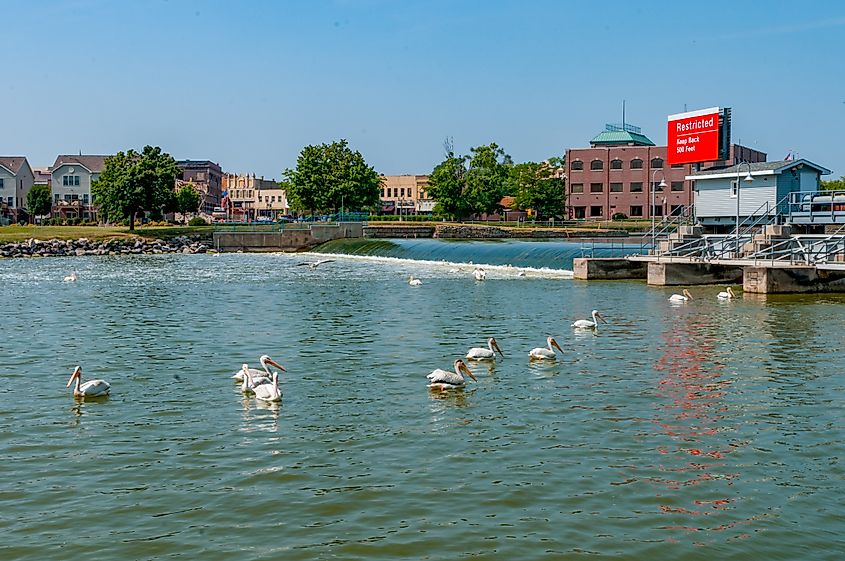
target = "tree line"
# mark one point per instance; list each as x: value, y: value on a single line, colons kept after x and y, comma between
x: 328, y: 178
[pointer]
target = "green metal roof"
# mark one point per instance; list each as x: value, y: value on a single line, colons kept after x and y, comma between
x: 623, y: 138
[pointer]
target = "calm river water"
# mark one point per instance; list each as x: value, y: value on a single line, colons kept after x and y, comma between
x: 711, y: 430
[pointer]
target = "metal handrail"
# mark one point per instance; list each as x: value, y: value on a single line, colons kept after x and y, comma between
x: 826, y: 204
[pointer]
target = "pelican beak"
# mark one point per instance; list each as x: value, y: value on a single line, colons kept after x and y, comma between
x: 601, y: 317
x: 277, y: 365
x: 555, y: 345
x: 465, y: 370
x: 496, y: 346
x: 76, y: 372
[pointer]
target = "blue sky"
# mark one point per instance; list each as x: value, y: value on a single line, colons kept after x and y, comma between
x: 249, y: 84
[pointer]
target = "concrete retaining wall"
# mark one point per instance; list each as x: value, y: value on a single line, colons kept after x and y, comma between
x: 774, y: 280
x: 289, y: 239
x: 592, y: 268
x: 679, y: 274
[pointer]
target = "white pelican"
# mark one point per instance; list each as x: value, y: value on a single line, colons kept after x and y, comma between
x: 246, y: 382
x: 269, y: 392
x: 479, y: 274
x: 543, y: 353
x: 91, y: 388
x: 480, y: 353
x: 726, y: 295
x: 414, y: 282
x: 316, y: 264
x: 73, y: 277
x: 443, y: 380
x: 686, y: 296
x: 587, y: 324
x: 259, y: 376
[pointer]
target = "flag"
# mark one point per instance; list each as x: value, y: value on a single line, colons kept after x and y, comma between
x: 788, y: 157
x: 224, y: 202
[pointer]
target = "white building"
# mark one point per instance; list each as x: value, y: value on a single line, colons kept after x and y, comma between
x: 716, y: 193
x: 16, y: 179
x: 71, y: 179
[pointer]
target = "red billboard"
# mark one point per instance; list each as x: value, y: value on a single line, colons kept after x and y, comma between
x: 693, y: 136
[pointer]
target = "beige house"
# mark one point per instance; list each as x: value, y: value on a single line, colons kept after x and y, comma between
x: 405, y: 194
x: 70, y: 180
x: 16, y: 180
x: 250, y: 197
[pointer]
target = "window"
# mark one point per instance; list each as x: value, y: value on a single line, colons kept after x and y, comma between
x: 580, y: 211
x: 656, y: 187
x: 596, y: 187
x: 577, y: 165
x: 577, y: 187
x: 596, y: 165
x: 733, y: 189
x: 55, y: 198
x: 615, y: 187
x: 636, y: 211
x: 402, y: 192
x: 596, y: 211
x: 636, y: 163
x: 11, y: 201
x: 382, y: 194
x: 616, y: 164
x: 657, y: 210
x: 657, y: 163
x: 636, y: 186
x: 1, y: 182
x: 200, y: 176
x: 85, y: 198
x: 677, y: 185
x: 677, y: 210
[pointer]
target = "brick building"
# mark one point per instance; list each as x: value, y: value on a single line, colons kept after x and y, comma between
x: 207, y: 177
x: 405, y: 194
x: 615, y: 175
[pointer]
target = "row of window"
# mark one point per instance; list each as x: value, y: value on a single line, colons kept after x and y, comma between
x: 399, y: 192
x: 70, y: 197
x: 634, y: 211
x: 633, y: 187
x: 270, y: 198
x: 70, y: 180
x: 636, y: 163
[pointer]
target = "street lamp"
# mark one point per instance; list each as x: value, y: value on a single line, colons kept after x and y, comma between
x: 653, y: 226
x: 747, y: 179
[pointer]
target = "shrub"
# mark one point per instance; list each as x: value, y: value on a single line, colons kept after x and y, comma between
x: 197, y: 221
x: 619, y: 216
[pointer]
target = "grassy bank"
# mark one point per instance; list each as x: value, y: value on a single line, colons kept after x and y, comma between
x: 9, y: 234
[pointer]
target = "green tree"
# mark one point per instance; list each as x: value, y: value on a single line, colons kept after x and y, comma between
x: 187, y: 199
x: 540, y: 187
x: 446, y: 187
x: 38, y: 200
x: 133, y: 182
x: 488, y: 178
x: 833, y: 184
x: 330, y: 176
x: 474, y: 184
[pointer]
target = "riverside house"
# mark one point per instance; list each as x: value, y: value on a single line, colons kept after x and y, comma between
x: 16, y: 180
x: 71, y: 180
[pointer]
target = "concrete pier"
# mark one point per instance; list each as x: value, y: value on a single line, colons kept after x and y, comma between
x: 792, y: 280
x: 691, y: 273
x: 592, y: 268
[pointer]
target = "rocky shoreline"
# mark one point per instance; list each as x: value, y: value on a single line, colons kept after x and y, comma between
x: 114, y: 246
